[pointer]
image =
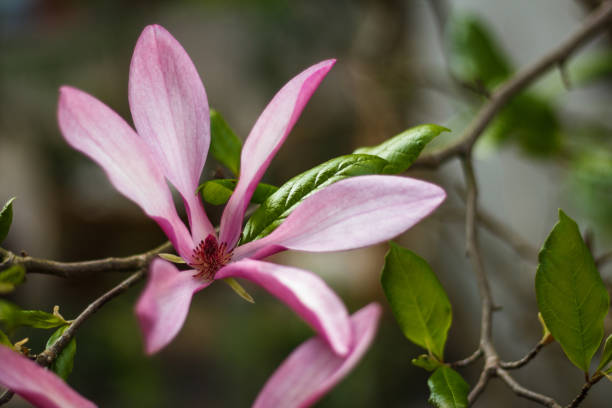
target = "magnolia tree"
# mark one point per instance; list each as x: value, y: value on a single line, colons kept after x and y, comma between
x: 352, y: 201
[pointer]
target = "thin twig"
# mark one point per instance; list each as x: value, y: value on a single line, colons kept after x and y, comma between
x: 594, y: 23
x: 79, y: 269
x: 484, y: 289
x: 47, y: 357
x: 511, y: 365
x: 585, y: 389
x: 480, y: 386
x: 521, y: 391
x: 468, y: 360
x: 6, y: 396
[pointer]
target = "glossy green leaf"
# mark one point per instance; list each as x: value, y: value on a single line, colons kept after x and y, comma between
x: 418, y: 300
x: 606, y: 354
x: 427, y: 362
x: 402, y: 150
x: 11, y: 277
x: 448, y: 389
x: 225, y: 146
x: 6, y: 218
x: 279, y: 205
x: 64, y: 362
x: 218, y: 191
x: 570, y: 293
x: 12, y: 316
x: 4, y: 340
x: 474, y: 56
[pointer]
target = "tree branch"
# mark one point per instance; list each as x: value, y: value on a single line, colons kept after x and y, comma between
x: 521, y: 391
x: 79, y: 269
x: 585, y: 389
x: 48, y: 356
x: 511, y: 365
x: 468, y: 360
x: 594, y: 24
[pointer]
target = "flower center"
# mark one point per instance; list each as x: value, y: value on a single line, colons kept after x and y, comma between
x: 210, y: 256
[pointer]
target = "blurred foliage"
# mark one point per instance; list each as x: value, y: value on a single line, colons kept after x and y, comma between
x: 474, y: 56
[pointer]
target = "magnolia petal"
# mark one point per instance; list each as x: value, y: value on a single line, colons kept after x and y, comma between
x: 35, y: 384
x: 97, y: 131
x: 313, y: 369
x: 163, y: 305
x: 170, y: 112
x: 265, y: 139
x: 351, y: 213
x: 304, y: 292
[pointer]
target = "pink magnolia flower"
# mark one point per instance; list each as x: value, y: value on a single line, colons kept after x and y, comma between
x: 305, y: 376
x: 312, y: 369
x: 171, y: 115
x: 35, y: 384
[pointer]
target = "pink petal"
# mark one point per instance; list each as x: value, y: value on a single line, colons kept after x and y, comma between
x: 304, y: 292
x: 351, y: 213
x: 313, y: 369
x: 170, y: 112
x: 265, y: 139
x: 94, y: 129
x: 163, y: 305
x: 35, y: 384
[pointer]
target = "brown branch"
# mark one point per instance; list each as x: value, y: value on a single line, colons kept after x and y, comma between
x: 468, y: 360
x: 585, y: 389
x: 48, y: 356
x: 511, y: 365
x: 593, y: 25
x: 6, y: 396
x: 79, y: 269
x: 521, y: 391
x: 484, y: 289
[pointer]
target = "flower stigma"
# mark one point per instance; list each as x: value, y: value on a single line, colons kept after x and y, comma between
x: 210, y: 256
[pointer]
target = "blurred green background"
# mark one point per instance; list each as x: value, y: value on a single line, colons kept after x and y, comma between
x: 550, y: 148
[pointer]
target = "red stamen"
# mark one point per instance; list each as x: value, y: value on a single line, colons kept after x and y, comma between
x: 210, y: 256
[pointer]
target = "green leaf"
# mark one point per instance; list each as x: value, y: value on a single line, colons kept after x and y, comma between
x: 5, y: 340
x: 218, y: 191
x: 391, y: 157
x: 12, y: 316
x: 6, y: 218
x: 402, y: 150
x: 590, y: 67
x: 240, y: 291
x: 606, y: 354
x: 11, y: 277
x: 64, y: 362
x: 427, y: 362
x: 474, y: 56
x: 570, y: 293
x: 225, y: 146
x: 417, y: 299
x: 172, y: 258
x: 447, y: 389
x: 531, y: 121
x: 591, y: 183
x: 279, y: 205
